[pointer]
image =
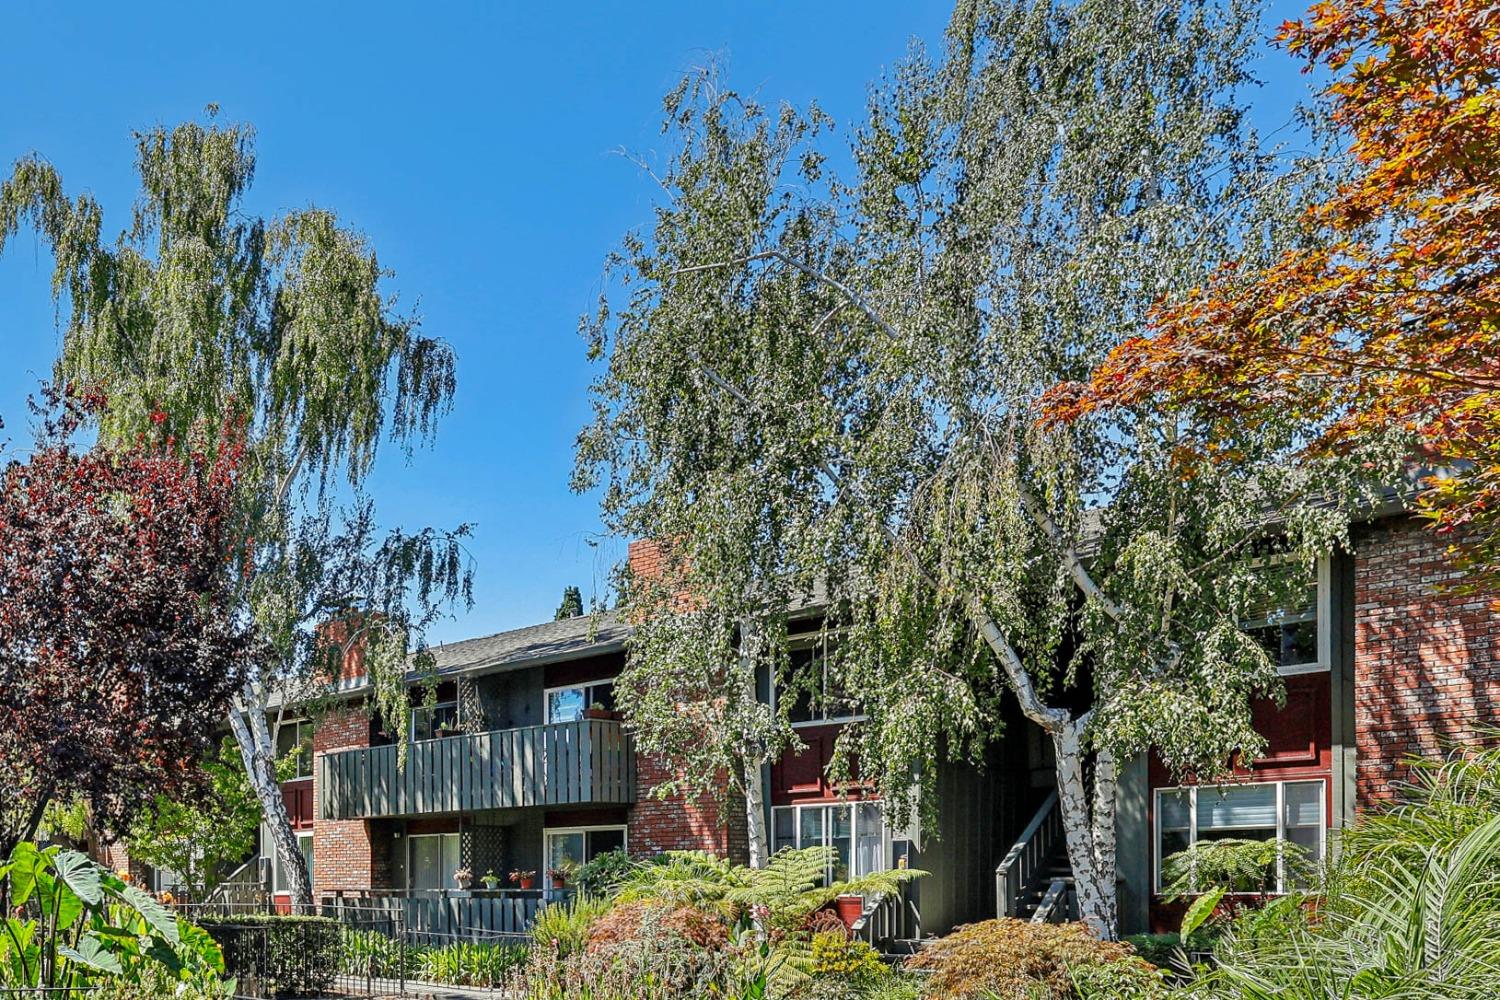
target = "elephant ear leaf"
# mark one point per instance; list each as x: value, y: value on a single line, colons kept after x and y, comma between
x: 81, y: 875
x: 25, y: 861
x: 94, y: 953
x: 1202, y: 908
x: 199, y: 944
x: 159, y: 917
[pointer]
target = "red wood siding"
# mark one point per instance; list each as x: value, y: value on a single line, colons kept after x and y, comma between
x: 298, y: 796
x: 802, y: 776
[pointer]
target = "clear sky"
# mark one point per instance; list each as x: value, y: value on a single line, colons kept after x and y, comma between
x: 477, y: 146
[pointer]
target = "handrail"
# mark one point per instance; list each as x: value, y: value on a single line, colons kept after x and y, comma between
x: 1026, y: 857
x: 1046, y: 910
x: 237, y: 879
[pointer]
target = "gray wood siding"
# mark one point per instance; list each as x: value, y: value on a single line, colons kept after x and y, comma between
x: 568, y: 763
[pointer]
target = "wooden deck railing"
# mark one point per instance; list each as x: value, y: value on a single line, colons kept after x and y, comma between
x: 1023, y: 863
x: 567, y: 763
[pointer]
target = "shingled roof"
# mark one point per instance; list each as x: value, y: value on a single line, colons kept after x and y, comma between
x: 570, y: 638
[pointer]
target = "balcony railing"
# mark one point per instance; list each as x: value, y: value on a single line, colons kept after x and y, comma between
x: 567, y: 763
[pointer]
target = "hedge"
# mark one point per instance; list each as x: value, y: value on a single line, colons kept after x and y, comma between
x: 292, y: 955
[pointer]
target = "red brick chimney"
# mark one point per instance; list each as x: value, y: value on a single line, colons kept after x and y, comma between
x: 334, y: 635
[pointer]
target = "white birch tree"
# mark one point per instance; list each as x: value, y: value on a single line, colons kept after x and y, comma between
x: 828, y: 389
x: 201, y: 316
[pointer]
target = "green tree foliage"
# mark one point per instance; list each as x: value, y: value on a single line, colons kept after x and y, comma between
x: 201, y: 315
x: 784, y: 893
x: 824, y: 389
x: 571, y: 606
x: 202, y: 837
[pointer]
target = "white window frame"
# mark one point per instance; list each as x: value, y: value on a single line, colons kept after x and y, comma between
x: 297, y: 725
x: 833, y: 720
x: 1281, y: 828
x: 797, y: 809
x: 277, y: 874
x: 586, y: 687
x: 549, y: 832
x: 1323, y: 574
x: 412, y: 728
x: 411, y: 868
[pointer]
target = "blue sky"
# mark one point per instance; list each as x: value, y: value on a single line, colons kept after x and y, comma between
x: 476, y: 145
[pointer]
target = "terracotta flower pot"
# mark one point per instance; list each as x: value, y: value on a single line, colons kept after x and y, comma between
x: 559, y: 882
x: 528, y: 883
x: 849, y: 909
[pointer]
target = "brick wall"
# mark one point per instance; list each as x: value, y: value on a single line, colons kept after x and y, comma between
x: 680, y: 823
x: 1427, y: 663
x: 116, y: 857
x: 354, y: 853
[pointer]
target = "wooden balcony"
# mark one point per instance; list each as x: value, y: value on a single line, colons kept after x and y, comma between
x: 567, y: 763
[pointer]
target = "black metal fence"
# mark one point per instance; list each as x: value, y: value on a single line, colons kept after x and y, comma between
x: 359, y: 949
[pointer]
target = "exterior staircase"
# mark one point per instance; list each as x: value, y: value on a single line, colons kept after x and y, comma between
x: 1034, y: 881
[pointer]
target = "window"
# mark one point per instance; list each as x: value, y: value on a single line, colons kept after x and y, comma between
x: 566, y: 848
x: 279, y: 880
x: 296, y: 737
x: 567, y: 704
x: 1290, y: 621
x: 824, y: 700
x: 432, y: 860
x: 855, y: 831
x: 430, y: 722
x: 1290, y: 811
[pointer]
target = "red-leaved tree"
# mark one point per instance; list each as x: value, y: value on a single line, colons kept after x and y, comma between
x: 118, y: 654
x: 1386, y: 325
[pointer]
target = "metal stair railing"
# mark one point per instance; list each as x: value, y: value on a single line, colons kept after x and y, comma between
x: 1024, y: 862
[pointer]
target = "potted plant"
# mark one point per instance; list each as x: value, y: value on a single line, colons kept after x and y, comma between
x: 559, y: 877
x: 597, y: 711
x: 849, y: 909
x: 524, y: 880
x: 491, y: 880
x: 463, y: 877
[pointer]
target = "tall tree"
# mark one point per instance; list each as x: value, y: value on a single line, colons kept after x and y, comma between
x: 198, y: 837
x: 200, y: 310
x: 1385, y: 326
x: 117, y: 652
x: 825, y: 390
x: 571, y: 606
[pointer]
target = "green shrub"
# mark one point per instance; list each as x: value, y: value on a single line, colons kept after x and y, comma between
x: 72, y: 925
x: 1162, y: 950
x: 1017, y: 958
x: 371, y: 953
x: 470, y: 964
x: 564, y: 927
x: 155, y: 986
x: 837, y: 955
x: 300, y: 956
x: 604, y: 875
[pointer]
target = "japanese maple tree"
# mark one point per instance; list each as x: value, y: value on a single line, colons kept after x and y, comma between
x: 117, y: 655
x: 1382, y: 331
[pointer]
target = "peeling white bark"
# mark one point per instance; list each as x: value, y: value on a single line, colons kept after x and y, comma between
x: 247, y: 719
x: 755, y: 815
x: 1090, y: 835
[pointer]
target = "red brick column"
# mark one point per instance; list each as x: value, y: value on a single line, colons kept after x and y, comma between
x: 1426, y: 661
x: 347, y: 854
x: 683, y: 823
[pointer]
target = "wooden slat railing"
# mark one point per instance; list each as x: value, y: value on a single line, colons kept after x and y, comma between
x: 1023, y: 863
x: 567, y: 763
x: 435, y: 917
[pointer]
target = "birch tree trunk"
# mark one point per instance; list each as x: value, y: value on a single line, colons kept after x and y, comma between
x: 248, y: 722
x: 755, y: 815
x: 1088, y: 832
